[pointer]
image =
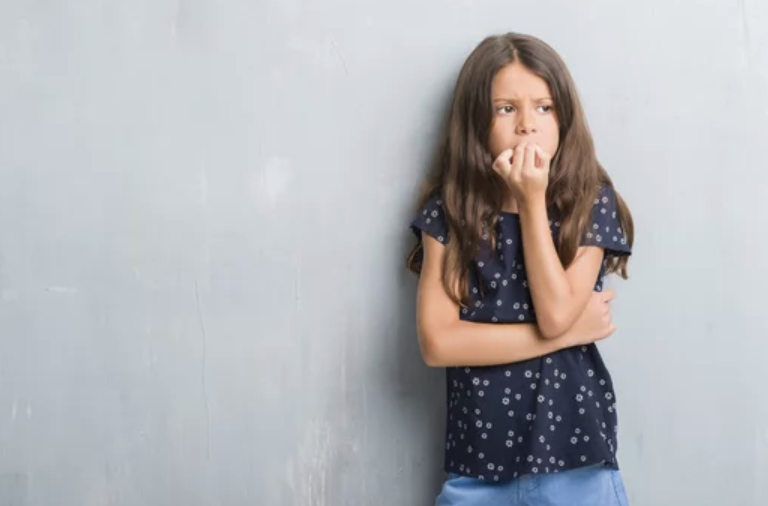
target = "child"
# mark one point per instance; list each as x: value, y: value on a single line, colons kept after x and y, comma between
x: 518, y: 226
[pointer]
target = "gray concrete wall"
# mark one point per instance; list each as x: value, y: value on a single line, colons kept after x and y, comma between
x: 203, y: 211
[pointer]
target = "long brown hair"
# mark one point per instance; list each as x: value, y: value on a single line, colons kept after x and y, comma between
x: 472, y: 192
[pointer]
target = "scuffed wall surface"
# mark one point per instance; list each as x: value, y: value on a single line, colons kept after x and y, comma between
x: 203, y: 221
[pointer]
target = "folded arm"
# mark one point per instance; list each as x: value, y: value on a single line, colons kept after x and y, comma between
x: 559, y: 295
x: 446, y: 340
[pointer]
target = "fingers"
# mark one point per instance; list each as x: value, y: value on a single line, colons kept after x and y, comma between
x: 502, y: 165
x: 518, y: 159
x: 530, y: 156
x: 542, y: 157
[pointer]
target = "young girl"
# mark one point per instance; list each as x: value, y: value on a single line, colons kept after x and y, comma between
x: 518, y: 226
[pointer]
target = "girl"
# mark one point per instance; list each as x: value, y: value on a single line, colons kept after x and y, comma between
x: 518, y: 226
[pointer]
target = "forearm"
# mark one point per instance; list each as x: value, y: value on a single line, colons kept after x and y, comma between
x: 551, y: 291
x: 463, y: 343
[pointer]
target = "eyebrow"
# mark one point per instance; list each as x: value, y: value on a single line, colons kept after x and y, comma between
x: 513, y: 100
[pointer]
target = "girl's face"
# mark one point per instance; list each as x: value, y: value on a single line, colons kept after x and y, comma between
x: 523, y: 111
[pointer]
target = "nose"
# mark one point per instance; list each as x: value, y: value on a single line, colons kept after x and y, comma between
x: 526, y: 124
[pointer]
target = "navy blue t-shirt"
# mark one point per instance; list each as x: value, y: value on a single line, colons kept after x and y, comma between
x: 543, y: 415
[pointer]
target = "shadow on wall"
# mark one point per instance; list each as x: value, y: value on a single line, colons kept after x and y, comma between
x: 419, y: 394
x: 420, y: 390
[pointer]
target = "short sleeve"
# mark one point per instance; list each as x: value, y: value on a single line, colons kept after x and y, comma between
x: 604, y: 227
x: 431, y: 219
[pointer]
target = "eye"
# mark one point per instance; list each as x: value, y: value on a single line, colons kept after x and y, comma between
x: 545, y: 108
x: 506, y: 109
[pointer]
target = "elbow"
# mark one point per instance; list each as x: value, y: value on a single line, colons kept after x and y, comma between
x: 552, y: 327
x: 431, y: 349
x: 430, y: 353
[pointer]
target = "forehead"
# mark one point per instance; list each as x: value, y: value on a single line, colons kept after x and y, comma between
x: 517, y: 82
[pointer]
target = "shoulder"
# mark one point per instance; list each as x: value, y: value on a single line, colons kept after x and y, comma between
x: 430, y: 218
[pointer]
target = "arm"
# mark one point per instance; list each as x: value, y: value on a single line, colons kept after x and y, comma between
x: 559, y: 295
x: 445, y: 340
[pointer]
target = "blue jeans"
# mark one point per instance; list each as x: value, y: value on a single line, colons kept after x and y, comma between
x: 587, y: 486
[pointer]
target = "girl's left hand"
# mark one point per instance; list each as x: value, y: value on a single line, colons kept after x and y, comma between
x: 525, y: 169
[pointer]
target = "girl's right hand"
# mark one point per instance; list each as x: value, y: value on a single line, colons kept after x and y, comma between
x: 594, y: 324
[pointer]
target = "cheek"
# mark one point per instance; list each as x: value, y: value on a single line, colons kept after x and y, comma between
x: 500, y: 139
x: 552, y: 138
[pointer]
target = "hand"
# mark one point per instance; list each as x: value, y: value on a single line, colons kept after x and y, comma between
x: 594, y: 324
x: 525, y: 169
